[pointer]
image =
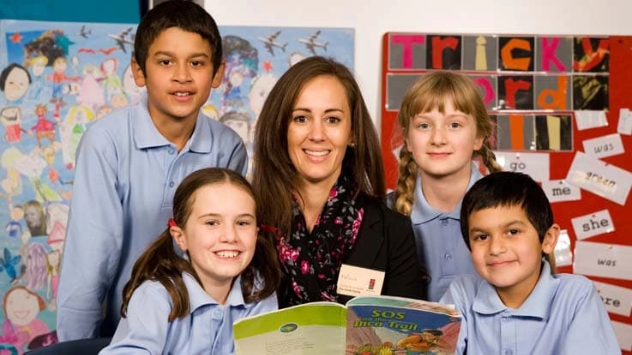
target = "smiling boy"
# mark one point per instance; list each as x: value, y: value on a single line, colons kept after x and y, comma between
x: 519, y: 306
x: 130, y: 163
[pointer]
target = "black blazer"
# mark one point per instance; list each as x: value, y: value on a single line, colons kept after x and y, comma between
x: 385, y: 242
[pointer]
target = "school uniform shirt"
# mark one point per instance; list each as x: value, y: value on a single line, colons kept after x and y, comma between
x: 439, y: 239
x: 563, y: 315
x: 126, y: 175
x: 207, y: 329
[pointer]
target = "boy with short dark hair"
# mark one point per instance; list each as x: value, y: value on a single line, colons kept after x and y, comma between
x: 519, y: 306
x: 130, y: 163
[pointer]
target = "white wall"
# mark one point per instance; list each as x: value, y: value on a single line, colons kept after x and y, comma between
x: 372, y: 18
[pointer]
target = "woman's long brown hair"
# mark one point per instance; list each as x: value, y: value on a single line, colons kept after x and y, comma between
x: 275, y: 178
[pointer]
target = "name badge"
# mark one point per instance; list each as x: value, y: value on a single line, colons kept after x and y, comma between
x: 358, y: 281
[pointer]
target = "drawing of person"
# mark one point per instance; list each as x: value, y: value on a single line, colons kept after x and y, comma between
x: 21, y: 308
x: 91, y: 93
x: 14, y: 227
x: 58, y: 78
x: 70, y: 131
x: 238, y: 122
x: 111, y: 83
x: 38, y: 64
x: 34, y: 259
x: 14, y: 82
x: 52, y: 266
x: 12, y: 184
x: 43, y: 128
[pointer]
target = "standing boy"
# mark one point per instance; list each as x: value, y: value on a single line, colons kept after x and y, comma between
x: 519, y: 306
x: 130, y: 163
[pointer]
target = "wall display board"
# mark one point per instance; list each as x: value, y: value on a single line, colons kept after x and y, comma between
x: 58, y: 78
x: 561, y: 105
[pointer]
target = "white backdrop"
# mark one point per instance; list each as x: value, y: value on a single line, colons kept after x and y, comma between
x: 372, y: 18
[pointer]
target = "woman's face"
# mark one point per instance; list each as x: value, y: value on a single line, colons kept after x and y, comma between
x: 320, y: 130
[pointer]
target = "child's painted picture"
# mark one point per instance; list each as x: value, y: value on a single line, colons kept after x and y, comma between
x: 55, y: 80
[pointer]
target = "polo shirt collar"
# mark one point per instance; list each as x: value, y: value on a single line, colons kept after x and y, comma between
x: 423, y: 212
x: 537, y: 305
x: 146, y: 135
x: 202, y: 137
x: 198, y: 297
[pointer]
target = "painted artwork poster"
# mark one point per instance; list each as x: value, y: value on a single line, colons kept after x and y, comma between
x: 56, y: 78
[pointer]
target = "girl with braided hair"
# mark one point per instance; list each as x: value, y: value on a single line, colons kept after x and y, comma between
x: 446, y: 128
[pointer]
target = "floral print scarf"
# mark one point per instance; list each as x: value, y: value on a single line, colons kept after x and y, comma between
x: 311, y: 261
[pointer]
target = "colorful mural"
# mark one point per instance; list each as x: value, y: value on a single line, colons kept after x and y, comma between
x: 57, y: 78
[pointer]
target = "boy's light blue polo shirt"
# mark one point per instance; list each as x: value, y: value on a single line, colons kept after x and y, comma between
x: 563, y: 315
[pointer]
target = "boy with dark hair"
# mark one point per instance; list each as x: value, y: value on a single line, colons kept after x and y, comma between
x: 520, y: 306
x: 130, y: 163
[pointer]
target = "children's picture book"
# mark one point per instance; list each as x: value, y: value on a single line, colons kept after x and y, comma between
x: 366, y: 325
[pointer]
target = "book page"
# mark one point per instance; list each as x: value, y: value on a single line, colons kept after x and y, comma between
x: 309, y: 329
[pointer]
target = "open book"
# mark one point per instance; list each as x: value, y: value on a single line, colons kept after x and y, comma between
x: 368, y: 325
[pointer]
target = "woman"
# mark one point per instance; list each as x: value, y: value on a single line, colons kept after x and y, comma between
x: 318, y: 173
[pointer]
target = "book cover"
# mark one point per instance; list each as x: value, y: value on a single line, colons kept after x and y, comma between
x: 389, y: 325
x: 367, y: 325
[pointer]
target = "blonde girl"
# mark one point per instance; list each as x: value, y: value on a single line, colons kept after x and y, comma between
x: 446, y: 129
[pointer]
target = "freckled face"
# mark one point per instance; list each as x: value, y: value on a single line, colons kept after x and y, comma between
x: 442, y: 144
